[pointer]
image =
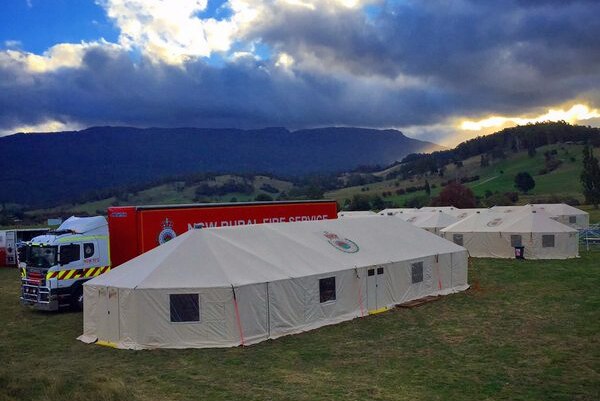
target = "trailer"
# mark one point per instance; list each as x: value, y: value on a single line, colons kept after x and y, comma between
x: 9, y: 240
x: 134, y: 230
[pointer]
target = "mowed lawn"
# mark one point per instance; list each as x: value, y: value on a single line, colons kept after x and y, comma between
x: 524, y: 331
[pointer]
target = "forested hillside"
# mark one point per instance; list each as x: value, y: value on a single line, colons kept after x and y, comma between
x: 41, y: 169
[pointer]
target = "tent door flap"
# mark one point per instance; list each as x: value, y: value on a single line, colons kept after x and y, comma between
x: 375, y: 286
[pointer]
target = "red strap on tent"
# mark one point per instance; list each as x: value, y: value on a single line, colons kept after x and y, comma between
x: 360, y: 301
x: 237, y: 315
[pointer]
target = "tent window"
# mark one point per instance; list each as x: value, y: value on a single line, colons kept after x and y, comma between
x: 185, y: 307
x: 371, y: 272
x: 417, y: 272
x: 515, y: 240
x: 327, y: 289
x: 572, y: 219
x: 379, y: 270
x: 548, y: 241
x: 458, y: 239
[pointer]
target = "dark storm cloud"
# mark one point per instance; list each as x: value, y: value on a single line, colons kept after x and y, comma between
x: 109, y: 88
x: 501, y: 55
x: 411, y: 63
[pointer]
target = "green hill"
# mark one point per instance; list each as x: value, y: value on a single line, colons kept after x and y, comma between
x: 176, y: 192
x: 498, y: 176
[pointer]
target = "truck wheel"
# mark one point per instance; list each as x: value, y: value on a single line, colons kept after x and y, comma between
x: 77, y: 299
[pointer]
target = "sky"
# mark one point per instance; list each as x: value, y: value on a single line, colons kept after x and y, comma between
x: 439, y: 70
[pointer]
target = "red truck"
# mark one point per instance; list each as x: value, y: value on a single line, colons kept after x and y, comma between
x: 134, y: 230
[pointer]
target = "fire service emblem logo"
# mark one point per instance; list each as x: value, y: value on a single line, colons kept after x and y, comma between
x: 342, y: 244
x: 167, y: 233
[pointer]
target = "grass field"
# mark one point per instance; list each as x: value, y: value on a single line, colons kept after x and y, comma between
x: 524, y: 331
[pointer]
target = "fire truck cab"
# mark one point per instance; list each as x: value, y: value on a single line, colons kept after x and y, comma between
x: 55, y: 265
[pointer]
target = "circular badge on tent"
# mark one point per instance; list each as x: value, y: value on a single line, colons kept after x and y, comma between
x: 167, y: 233
x: 494, y: 222
x: 342, y: 244
x: 462, y: 215
x: 412, y: 219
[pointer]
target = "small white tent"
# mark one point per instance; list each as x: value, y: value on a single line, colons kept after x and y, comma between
x: 564, y: 213
x: 241, y: 285
x: 430, y: 221
x: 496, y: 234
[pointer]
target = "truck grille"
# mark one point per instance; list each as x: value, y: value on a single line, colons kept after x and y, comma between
x: 34, y: 275
x: 36, y: 278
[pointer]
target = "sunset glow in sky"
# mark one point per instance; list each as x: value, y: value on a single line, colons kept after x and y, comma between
x: 575, y: 114
x: 437, y: 70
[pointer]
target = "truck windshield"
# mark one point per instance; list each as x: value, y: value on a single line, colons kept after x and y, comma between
x: 41, y: 256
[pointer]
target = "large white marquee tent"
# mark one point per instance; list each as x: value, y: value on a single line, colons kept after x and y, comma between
x: 496, y: 234
x: 241, y: 285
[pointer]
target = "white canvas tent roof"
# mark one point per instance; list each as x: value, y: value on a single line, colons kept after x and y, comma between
x: 561, y: 212
x: 537, y: 221
x: 393, y: 211
x: 507, y: 209
x: 437, y: 208
x: 269, y: 252
x: 558, y: 209
x: 276, y: 271
x: 435, y: 220
x: 464, y: 213
x: 494, y: 221
x: 357, y: 213
x: 565, y: 214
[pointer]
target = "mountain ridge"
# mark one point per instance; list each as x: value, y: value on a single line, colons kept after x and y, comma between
x: 47, y: 167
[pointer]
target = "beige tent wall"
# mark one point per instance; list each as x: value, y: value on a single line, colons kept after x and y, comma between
x: 295, y: 304
x: 442, y: 274
x: 581, y: 220
x: 128, y: 307
x: 485, y: 244
x: 566, y: 245
x: 254, y: 312
x: 217, y: 326
x: 399, y: 286
x: 90, y: 314
x: 295, y: 307
x: 498, y: 245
